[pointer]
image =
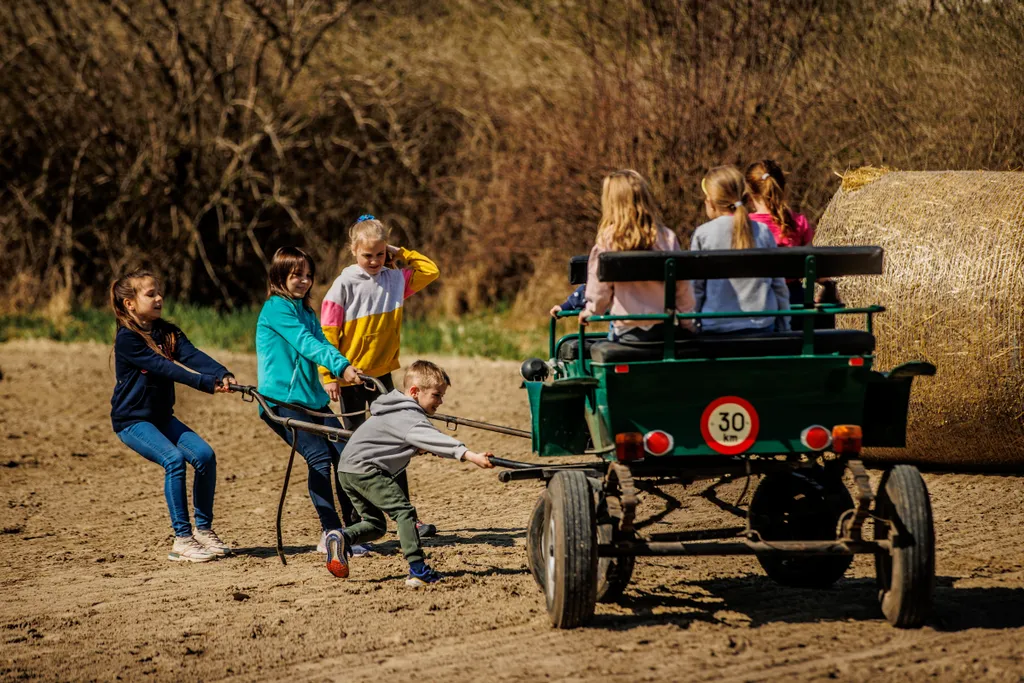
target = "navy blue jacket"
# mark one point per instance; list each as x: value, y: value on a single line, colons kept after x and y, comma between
x: 145, y: 379
x: 577, y: 300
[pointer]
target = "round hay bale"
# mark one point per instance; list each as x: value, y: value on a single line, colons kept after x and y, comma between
x: 954, y: 290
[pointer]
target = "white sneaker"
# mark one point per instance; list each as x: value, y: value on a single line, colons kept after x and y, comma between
x: 209, y: 539
x: 357, y: 550
x: 321, y: 547
x: 188, y: 549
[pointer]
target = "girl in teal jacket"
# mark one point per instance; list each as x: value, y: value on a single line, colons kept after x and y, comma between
x: 290, y: 346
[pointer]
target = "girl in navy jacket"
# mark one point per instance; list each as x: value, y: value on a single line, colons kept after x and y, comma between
x: 142, y: 408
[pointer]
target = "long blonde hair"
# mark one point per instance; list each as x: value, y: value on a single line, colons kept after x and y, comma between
x: 726, y: 190
x: 767, y: 182
x: 629, y: 217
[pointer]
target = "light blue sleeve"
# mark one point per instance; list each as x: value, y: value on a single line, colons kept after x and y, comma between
x: 781, y: 291
x: 285, y: 321
x: 699, y: 286
x: 778, y: 284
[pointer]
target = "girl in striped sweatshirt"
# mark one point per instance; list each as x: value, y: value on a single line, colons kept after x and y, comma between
x: 361, y: 315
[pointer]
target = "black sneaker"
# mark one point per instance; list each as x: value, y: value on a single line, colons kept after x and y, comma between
x: 425, y: 530
x: 421, y: 577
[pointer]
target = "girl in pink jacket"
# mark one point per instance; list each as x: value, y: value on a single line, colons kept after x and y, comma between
x: 630, y: 221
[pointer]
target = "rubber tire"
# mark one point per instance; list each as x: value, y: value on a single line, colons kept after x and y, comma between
x: 613, y: 573
x: 570, y: 551
x: 801, y: 506
x: 535, y: 540
x: 906, y: 577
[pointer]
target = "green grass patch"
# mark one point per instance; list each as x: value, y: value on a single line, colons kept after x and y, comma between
x: 487, y: 336
x: 483, y: 335
x: 235, y: 331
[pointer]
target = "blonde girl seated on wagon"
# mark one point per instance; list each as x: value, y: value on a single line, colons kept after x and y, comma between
x: 725, y: 201
x: 630, y: 221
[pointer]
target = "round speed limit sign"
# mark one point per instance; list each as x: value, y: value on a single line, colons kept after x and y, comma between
x: 729, y: 425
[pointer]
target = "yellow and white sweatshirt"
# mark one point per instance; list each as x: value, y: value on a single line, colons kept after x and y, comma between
x: 362, y: 314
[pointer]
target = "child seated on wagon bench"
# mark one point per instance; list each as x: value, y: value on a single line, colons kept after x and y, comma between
x: 381, y: 449
x: 725, y: 201
x: 630, y: 221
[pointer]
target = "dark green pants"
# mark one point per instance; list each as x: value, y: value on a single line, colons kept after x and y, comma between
x: 373, y: 496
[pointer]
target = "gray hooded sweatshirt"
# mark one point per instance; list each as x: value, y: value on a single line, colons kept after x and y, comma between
x: 398, y: 428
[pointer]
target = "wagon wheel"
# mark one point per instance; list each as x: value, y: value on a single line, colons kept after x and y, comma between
x: 613, y: 573
x: 801, y: 506
x: 570, y: 550
x: 906, y: 575
x: 535, y: 540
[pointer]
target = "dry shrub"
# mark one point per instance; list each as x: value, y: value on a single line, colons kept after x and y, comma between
x: 954, y: 244
x: 188, y: 135
x: 199, y: 135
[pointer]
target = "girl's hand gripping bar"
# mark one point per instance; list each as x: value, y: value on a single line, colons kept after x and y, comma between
x: 374, y: 382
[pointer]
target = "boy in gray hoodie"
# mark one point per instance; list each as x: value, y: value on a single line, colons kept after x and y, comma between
x: 380, y: 450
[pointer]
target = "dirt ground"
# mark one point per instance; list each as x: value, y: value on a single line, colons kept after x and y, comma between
x: 88, y: 593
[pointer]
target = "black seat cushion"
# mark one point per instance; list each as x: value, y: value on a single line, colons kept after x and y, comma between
x: 569, y: 350
x: 841, y: 342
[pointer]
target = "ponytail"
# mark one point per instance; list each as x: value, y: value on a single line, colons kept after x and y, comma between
x: 725, y: 188
x: 742, y: 230
x: 126, y: 287
x: 767, y: 181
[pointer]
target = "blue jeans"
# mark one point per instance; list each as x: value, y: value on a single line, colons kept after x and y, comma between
x: 171, y: 445
x: 320, y: 455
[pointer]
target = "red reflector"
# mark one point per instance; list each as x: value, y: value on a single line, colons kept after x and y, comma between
x: 816, y: 438
x: 621, y: 368
x: 658, y: 442
x: 857, y: 362
x: 629, y: 446
x: 847, y: 439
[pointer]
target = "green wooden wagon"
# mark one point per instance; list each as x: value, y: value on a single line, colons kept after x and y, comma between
x: 793, y: 409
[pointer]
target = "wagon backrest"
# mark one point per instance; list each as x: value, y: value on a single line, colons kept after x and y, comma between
x: 645, y: 266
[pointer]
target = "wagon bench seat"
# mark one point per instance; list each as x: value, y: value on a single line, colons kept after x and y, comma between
x: 826, y: 342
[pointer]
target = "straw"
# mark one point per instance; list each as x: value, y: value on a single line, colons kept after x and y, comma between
x: 954, y: 287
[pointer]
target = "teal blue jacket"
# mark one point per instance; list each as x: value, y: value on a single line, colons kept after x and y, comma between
x: 290, y: 346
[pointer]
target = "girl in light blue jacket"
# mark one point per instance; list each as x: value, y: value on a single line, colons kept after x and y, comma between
x: 290, y: 346
x: 730, y: 227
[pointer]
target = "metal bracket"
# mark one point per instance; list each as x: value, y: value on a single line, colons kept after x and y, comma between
x: 621, y: 499
x: 852, y: 521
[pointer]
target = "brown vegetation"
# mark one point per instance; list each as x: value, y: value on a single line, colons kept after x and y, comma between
x: 199, y: 135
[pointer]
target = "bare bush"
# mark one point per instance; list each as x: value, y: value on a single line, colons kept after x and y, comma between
x: 199, y: 135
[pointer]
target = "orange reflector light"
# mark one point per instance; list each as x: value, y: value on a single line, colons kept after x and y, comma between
x: 816, y: 438
x: 857, y: 362
x: 847, y: 439
x: 629, y: 446
x: 621, y: 368
x: 658, y: 442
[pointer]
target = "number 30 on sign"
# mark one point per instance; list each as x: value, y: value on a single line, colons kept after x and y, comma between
x: 729, y: 425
